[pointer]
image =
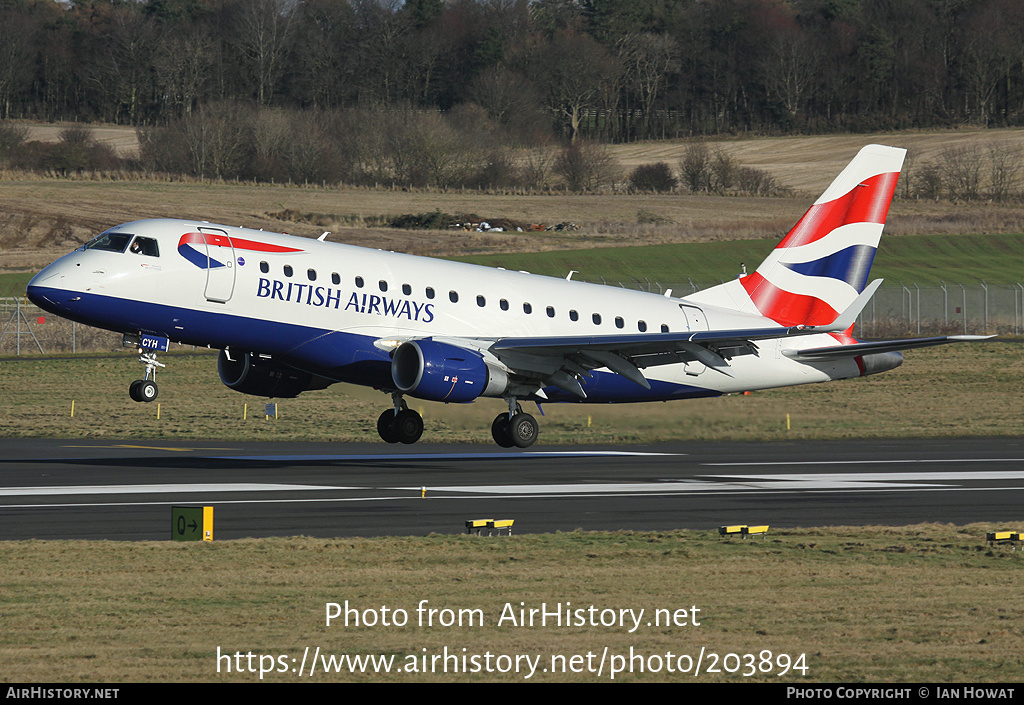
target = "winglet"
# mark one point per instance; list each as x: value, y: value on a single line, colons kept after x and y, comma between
x: 848, y: 317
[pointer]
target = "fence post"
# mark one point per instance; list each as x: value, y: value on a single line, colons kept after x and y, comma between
x: 963, y: 309
x: 918, y: 308
x: 985, y: 287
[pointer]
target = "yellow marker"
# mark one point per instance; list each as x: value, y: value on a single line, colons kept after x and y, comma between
x: 423, y: 493
x: 245, y: 411
x: 207, y: 523
x: 158, y: 411
x: 588, y: 422
x: 72, y: 408
x: 787, y: 422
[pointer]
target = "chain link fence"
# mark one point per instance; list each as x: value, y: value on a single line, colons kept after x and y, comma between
x: 905, y: 309
x: 25, y: 329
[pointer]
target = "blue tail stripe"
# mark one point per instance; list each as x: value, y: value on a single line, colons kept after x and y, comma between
x: 850, y: 265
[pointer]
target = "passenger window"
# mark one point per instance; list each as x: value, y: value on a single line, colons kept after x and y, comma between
x: 145, y: 246
x: 641, y: 326
x: 597, y: 319
x: 406, y: 289
x: 336, y: 278
x: 664, y: 328
x: 619, y: 322
x: 573, y: 316
x: 287, y: 270
x: 311, y: 274
x: 453, y: 296
x: 264, y: 267
x: 359, y: 282
x: 430, y: 292
x: 481, y: 301
x: 551, y: 311
x: 527, y: 308
x: 503, y: 304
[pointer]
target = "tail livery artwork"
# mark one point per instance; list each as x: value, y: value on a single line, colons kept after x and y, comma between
x: 291, y: 314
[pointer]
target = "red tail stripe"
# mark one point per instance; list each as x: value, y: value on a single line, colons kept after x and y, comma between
x: 784, y: 307
x: 868, y: 202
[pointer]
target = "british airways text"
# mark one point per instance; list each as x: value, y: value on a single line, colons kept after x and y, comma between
x: 327, y: 297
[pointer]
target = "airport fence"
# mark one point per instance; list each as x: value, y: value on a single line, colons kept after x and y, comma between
x: 894, y: 311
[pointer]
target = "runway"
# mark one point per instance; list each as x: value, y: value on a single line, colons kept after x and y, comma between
x: 75, y: 489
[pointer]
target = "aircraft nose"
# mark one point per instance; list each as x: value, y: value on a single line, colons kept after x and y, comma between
x: 42, y: 288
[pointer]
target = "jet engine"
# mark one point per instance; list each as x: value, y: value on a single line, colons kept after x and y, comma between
x: 249, y: 373
x: 427, y: 369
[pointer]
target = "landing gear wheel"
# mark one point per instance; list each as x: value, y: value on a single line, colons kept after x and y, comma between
x: 500, y: 431
x: 523, y: 430
x: 384, y: 426
x: 143, y: 390
x: 147, y: 390
x: 407, y: 426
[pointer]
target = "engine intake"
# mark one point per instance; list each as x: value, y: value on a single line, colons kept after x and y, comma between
x: 248, y: 373
x: 427, y: 369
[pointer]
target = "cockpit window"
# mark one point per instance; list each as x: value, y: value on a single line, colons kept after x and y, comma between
x: 145, y: 246
x: 110, y: 242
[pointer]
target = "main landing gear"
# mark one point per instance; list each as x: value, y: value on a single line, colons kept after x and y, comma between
x: 401, y: 424
x: 145, y: 389
x: 514, y: 428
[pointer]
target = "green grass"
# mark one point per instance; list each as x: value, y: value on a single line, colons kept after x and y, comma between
x: 14, y: 283
x: 925, y: 259
x: 929, y: 396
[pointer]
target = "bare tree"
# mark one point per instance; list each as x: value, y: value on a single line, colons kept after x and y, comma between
x: 17, y: 34
x: 586, y: 165
x: 647, y: 61
x: 790, y: 69
x: 121, y: 71
x: 695, y: 167
x: 262, y: 34
x: 1005, y: 169
x: 182, y: 63
x: 571, y: 70
x: 962, y: 172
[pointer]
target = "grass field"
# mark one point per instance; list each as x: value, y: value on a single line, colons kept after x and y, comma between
x: 919, y: 604
x: 926, y: 259
x: 41, y: 218
x: 968, y: 389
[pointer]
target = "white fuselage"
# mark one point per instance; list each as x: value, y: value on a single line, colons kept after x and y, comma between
x: 338, y: 310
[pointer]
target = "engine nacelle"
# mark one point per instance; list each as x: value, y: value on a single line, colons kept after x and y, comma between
x: 874, y: 363
x: 427, y: 369
x: 248, y: 373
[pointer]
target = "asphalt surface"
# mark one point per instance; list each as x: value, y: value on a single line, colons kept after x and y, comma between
x: 81, y: 489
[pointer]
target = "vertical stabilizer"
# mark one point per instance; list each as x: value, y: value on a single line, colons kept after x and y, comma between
x: 822, y: 264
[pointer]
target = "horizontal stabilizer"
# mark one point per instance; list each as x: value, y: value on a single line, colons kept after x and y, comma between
x: 880, y: 346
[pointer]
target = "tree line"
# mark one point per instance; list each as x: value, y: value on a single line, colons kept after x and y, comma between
x: 606, y: 70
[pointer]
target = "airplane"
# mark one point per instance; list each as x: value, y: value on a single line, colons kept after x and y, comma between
x: 292, y: 314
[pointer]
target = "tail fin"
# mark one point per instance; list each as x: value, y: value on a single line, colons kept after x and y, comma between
x: 821, y: 266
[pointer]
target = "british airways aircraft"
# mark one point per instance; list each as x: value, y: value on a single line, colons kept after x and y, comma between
x: 290, y: 314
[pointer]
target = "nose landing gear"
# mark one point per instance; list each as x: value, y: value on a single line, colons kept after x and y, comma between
x: 145, y: 389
